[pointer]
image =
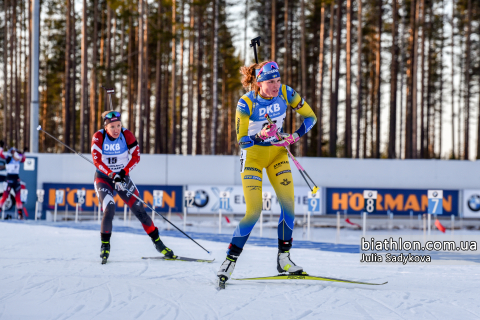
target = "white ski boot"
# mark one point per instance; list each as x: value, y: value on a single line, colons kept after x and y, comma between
x: 285, y: 264
x: 225, y: 271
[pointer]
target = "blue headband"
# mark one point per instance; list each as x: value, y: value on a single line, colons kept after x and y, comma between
x: 267, y: 72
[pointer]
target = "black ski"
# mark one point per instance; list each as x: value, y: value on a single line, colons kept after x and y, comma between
x: 178, y: 258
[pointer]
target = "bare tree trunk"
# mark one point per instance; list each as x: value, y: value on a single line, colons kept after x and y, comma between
x: 359, y: 77
x: 158, y: 83
x: 214, y: 124
x: 108, y: 50
x: 461, y: 95
x: 393, y: 86
x: 245, y: 33
x: 378, y: 82
x: 84, y: 80
x: 274, y: 31
x: 440, y: 111
x: 334, y: 105
x: 140, y: 102
x: 101, y: 105
x: 180, y: 102
x: 414, y: 89
x: 191, y: 48
x: 411, y: 70
x: 303, y: 49
x: 321, y: 60
x: 402, y: 60
x: 423, y: 137
x: 66, y: 90
x: 173, y: 123
x: 453, y: 82
x: 467, y: 84
x: 198, y: 149
x: 146, y: 85
x: 348, y: 102
x: 93, y: 76
x: 6, y: 39
x: 73, y: 65
x: 130, y: 77
x: 332, y: 19
x: 16, y: 120
x: 287, y: 55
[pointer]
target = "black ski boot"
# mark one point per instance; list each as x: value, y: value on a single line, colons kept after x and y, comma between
x: 105, y: 251
x: 160, y: 246
x: 105, y: 248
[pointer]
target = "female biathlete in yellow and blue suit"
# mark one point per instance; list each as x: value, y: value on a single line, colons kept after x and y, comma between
x: 261, y: 148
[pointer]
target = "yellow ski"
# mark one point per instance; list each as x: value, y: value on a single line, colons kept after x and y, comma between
x: 305, y: 276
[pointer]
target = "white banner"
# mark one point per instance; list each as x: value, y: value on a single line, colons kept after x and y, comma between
x: 471, y: 203
x: 207, y: 199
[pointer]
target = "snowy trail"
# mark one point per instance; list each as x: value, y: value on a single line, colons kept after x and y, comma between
x: 55, y: 273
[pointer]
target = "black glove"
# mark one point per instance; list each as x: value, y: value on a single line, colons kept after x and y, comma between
x: 25, y: 150
x: 2, y: 144
x: 120, y: 177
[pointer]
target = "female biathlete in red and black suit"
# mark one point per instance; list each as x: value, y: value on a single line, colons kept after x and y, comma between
x: 115, y: 153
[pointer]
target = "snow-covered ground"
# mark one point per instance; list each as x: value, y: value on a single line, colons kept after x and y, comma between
x: 55, y: 273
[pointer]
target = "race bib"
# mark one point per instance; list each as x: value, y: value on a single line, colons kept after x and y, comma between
x: 243, y: 159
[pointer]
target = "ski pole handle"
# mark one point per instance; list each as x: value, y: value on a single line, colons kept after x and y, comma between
x: 253, y: 43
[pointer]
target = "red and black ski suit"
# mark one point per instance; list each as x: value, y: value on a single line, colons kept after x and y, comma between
x: 113, y: 155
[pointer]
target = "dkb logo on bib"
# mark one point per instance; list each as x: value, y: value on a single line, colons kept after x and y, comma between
x: 112, y: 147
x: 270, y: 109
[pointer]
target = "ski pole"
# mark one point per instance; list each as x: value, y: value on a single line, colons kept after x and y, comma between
x: 122, y: 187
x: 253, y: 43
x: 297, y: 164
x: 39, y: 128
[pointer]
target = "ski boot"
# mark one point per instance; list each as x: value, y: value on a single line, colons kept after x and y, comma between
x: 284, y: 263
x: 227, y: 267
x: 105, y: 251
x: 160, y: 246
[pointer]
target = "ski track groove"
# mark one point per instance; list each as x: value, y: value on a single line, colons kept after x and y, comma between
x: 250, y: 300
x: 380, y: 303
x: 147, y: 266
x: 107, y: 303
x: 361, y: 309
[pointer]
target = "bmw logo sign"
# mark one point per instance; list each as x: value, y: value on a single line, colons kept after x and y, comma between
x: 435, y: 194
x: 474, y: 202
x: 370, y: 194
x: 201, y: 198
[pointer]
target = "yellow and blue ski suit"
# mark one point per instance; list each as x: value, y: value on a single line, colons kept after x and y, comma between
x: 258, y: 154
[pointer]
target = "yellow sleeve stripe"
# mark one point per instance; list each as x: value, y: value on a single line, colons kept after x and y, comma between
x: 284, y: 93
x: 249, y: 103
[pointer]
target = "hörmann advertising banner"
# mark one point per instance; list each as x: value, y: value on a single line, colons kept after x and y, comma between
x: 172, y: 196
x: 471, y: 203
x: 207, y: 199
x: 396, y: 201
